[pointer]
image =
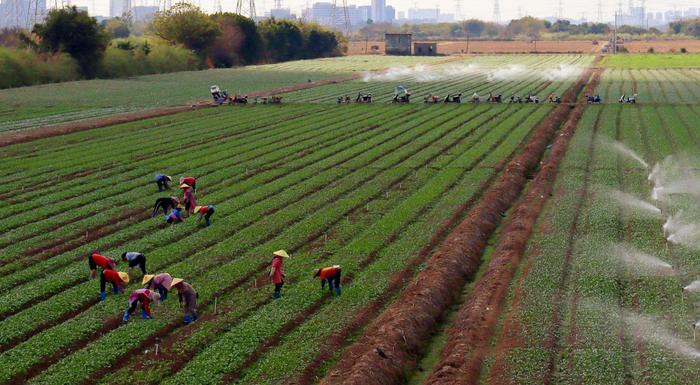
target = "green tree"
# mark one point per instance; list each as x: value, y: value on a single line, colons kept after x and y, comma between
x: 75, y: 33
x: 186, y: 24
x: 117, y: 27
x: 283, y: 40
x: 240, y: 42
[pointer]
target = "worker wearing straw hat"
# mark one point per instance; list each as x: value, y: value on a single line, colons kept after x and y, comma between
x: 204, y: 212
x: 186, y: 291
x: 145, y: 297
x: 190, y: 181
x: 160, y: 282
x: 277, y: 273
x: 96, y: 259
x: 118, y: 280
x: 330, y: 275
x: 188, y: 197
x: 162, y: 182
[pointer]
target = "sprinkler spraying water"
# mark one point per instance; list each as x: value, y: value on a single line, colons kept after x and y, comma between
x: 640, y: 262
x: 624, y: 150
x: 635, y: 205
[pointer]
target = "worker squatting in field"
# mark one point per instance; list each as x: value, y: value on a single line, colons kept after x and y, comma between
x: 135, y: 259
x: 331, y: 275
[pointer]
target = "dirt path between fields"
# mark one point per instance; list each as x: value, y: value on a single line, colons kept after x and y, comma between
x: 469, y: 337
x: 393, y: 342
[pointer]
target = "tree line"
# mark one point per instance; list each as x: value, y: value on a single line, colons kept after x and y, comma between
x: 69, y: 44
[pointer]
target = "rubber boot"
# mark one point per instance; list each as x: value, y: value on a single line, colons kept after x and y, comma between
x: 276, y: 295
x: 187, y: 319
x: 125, y: 318
x: 103, y: 296
x: 144, y: 315
x: 115, y: 290
x: 337, y: 290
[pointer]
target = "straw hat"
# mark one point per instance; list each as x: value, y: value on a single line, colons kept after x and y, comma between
x: 154, y: 296
x: 175, y: 282
x: 317, y: 272
x: 184, y: 185
x: 124, y: 276
x: 197, y: 208
x: 168, y: 178
x: 281, y: 253
x: 147, y: 278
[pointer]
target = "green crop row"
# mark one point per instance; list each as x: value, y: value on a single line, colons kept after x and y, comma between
x: 217, y: 231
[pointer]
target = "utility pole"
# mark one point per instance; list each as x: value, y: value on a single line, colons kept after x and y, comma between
x: 614, y: 45
x: 600, y: 11
x: 458, y: 10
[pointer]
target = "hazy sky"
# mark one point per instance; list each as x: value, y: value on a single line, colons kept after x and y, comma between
x: 482, y: 9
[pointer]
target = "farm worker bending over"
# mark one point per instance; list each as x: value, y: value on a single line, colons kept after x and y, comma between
x: 95, y: 259
x: 135, y: 259
x: 330, y: 274
x: 118, y: 280
x: 160, y: 282
x: 206, y: 212
x: 162, y: 182
x: 190, y: 181
x: 174, y: 216
x: 188, y: 197
x: 276, y: 272
x: 166, y: 204
x: 186, y: 291
x: 144, y: 296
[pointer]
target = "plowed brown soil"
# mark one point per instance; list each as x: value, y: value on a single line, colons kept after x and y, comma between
x: 469, y: 336
x: 393, y: 342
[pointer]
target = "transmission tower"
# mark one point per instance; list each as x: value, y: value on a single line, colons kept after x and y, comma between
x: 345, y: 22
x: 217, y: 6
x: 246, y: 9
x: 496, y: 12
x: 600, y: 11
x: 458, y: 10
x: 560, y: 10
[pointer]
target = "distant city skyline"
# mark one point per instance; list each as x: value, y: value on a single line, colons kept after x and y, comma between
x: 509, y: 9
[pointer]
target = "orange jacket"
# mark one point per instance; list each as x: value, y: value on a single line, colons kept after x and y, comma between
x: 328, y: 272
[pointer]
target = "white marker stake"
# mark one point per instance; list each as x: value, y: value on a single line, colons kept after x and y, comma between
x: 156, y: 350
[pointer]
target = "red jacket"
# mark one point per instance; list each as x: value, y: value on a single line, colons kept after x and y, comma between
x: 328, y: 272
x: 103, y: 262
x: 189, y: 181
x: 112, y: 276
x: 277, y: 275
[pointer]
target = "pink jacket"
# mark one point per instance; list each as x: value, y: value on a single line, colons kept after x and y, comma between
x: 162, y: 279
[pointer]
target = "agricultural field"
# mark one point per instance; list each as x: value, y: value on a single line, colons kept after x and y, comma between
x: 27, y: 107
x: 479, y: 243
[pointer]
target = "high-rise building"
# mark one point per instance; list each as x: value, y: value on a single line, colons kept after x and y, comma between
x: 389, y: 14
x: 378, y: 11
x: 117, y: 8
x: 144, y: 13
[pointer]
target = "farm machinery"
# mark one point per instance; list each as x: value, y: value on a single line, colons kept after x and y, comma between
x: 494, y: 98
x: 593, y: 99
x: 628, y: 99
x: 431, y: 99
x: 456, y: 98
x: 553, y: 98
x: 271, y: 100
x: 401, y: 95
x: 220, y: 97
x: 363, y: 98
